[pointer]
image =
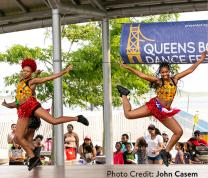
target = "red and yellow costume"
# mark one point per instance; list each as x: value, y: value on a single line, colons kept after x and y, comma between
x: 25, y: 100
x: 165, y: 92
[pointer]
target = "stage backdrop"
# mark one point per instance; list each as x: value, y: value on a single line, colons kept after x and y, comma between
x: 174, y: 42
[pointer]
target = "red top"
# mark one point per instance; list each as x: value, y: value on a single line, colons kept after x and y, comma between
x: 118, y: 158
x: 198, y: 143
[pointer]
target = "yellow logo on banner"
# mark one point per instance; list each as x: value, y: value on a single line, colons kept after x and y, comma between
x: 196, y: 118
x: 133, y: 46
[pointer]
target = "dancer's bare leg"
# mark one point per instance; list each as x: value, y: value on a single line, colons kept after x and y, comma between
x: 42, y: 113
x: 29, y: 137
x: 21, y: 129
x: 136, y: 113
x: 173, y: 125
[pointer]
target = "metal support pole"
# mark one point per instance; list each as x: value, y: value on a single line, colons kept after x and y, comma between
x: 107, y: 93
x: 58, y: 105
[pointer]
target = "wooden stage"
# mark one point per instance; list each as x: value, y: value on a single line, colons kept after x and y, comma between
x: 105, y: 171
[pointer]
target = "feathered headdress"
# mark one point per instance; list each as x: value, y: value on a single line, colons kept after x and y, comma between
x: 29, y: 62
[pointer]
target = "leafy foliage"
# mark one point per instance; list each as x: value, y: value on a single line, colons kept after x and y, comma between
x: 84, y: 85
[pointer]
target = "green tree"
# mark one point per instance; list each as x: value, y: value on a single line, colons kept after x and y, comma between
x: 84, y: 85
x: 16, y: 53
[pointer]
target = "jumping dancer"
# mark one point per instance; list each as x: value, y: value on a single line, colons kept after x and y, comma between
x: 34, y: 122
x: 27, y: 106
x: 159, y: 106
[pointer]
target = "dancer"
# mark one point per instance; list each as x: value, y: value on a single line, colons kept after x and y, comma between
x: 34, y: 122
x: 27, y: 106
x: 159, y: 106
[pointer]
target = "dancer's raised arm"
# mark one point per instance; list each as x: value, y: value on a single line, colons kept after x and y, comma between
x: 52, y: 77
x: 140, y: 74
x: 9, y: 105
x: 192, y: 68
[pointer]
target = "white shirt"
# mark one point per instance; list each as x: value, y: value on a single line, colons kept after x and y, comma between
x: 16, y: 153
x: 153, y: 144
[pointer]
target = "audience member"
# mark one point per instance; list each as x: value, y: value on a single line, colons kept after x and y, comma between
x: 10, y: 137
x: 124, y: 141
x: 141, y: 150
x: 87, y: 151
x: 128, y: 155
x: 118, y: 154
x: 179, y: 159
x: 71, y: 143
x: 165, y: 139
x: 16, y: 155
x: 155, y: 145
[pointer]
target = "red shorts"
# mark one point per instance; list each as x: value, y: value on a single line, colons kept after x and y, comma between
x: 27, y: 109
x: 159, y: 111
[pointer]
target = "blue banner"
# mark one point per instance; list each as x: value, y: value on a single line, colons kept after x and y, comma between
x: 173, y: 42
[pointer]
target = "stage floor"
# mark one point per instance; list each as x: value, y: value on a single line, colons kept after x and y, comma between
x: 105, y: 171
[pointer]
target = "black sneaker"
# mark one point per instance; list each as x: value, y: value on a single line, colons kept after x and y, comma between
x: 122, y: 90
x: 33, y: 162
x: 82, y: 120
x: 165, y: 157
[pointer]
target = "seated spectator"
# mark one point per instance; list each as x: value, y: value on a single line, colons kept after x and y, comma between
x: 118, y: 154
x: 98, y: 150
x: 196, y: 140
x: 179, y: 159
x: 141, y: 150
x: 128, y: 155
x: 87, y: 151
x: 16, y: 155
